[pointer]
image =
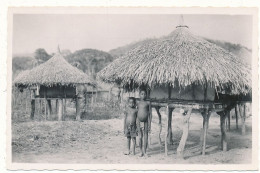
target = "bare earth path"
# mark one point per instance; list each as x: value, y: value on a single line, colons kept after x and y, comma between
x: 102, y: 141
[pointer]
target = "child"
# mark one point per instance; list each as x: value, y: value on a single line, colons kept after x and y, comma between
x: 143, y: 122
x: 130, y: 129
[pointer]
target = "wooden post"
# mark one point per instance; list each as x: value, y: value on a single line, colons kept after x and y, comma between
x: 85, y: 102
x: 49, y: 108
x: 57, y: 105
x: 122, y: 95
x: 60, y: 110
x: 228, y: 119
x: 186, y: 118
x: 40, y: 109
x: 45, y: 105
x: 244, y: 121
x: 206, y: 115
x: 109, y: 94
x: 150, y: 125
x: 169, y: 133
x: 166, y: 133
x: 26, y: 102
x: 236, y: 112
x: 160, y: 124
x: 242, y: 116
x: 77, y: 109
x: 223, y: 131
x: 32, y: 109
x: 96, y: 96
x: 64, y: 108
x: 169, y: 114
x: 92, y: 97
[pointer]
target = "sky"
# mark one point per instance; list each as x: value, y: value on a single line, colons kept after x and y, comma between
x: 109, y: 31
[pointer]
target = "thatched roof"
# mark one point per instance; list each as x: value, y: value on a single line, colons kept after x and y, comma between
x: 182, y: 57
x: 55, y: 71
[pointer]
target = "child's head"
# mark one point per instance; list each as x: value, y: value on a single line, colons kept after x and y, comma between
x: 142, y: 94
x: 131, y: 102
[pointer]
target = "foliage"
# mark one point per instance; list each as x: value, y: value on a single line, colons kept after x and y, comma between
x: 20, y: 64
x: 41, y: 55
x: 89, y: 61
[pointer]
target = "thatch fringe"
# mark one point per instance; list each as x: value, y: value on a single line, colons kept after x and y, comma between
x: 56, y: 71
x: 181, y: 57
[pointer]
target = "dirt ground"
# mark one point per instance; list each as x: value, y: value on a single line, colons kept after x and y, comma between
x: 102, y: 141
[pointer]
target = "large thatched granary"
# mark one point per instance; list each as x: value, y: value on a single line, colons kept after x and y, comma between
x: 183, y: 70
x: 55, y: 79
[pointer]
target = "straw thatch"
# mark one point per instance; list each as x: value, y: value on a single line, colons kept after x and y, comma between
x: 56, y: 71
x: 179, y: 59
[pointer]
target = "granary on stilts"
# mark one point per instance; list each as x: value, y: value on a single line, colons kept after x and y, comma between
x: 56, y: 80
x: 184, y: 71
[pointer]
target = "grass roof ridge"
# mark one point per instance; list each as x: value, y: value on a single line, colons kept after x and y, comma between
x: 55, y: 71
x: 179, y: 56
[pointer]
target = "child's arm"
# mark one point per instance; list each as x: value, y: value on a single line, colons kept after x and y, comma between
x: 150, y: 116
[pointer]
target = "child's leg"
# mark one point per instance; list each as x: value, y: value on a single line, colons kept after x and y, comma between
x: 128, y: 145
x: 145, y: 137
x: 141, y: 142
x: 134, y: 144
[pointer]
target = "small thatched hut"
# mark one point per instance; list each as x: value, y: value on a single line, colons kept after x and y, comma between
x: 55, y: 79
x: 182, y: 70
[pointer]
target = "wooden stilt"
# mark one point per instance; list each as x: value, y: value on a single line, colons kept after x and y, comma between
x: 77, y: 109
x: 64, y: 108
x: 26, y: 102
x: 32, y: 109
x: 45, y: 109
x: 166, y: 133
x: 122, y: 95
x: 242, y: 117
x: 236, y: 112
x: 57, y: 105
x: 45, y: 105
x: 206, y: 115
x: 49, y: 109
x: 85, y: 103
x: 109, y: 94
x: 244, y: 121
x: 186, y: 118
x: 96, y: 96
x: 228, y: 119
x: 60, y: 110
x: 169, y: 133
x: 92, y: 98
x: 160, y: 124
x: 223, y: 131
x: 40, y: 109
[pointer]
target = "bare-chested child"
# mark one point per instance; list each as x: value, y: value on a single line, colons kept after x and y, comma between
x: 143, y: 122
x: 130, y: 128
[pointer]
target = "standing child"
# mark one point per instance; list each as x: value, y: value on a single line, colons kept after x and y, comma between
x: 143, y: 122
x: 130, y: 128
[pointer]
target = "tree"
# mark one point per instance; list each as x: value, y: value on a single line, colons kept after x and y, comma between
x: 89, y: 61
x: 41, y: 55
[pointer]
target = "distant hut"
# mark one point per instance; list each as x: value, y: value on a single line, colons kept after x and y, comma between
x: 55, y: 79
x: 183, y: 71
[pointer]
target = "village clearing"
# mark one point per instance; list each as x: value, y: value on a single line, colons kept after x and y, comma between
x: 102, y: 142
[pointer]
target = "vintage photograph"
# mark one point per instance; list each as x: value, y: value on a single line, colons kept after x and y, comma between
x: 132, y: 88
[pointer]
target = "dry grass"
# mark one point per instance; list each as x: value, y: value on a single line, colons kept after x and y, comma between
x: 56, y: 71
x: 102, y: 141
x: 181, y: 57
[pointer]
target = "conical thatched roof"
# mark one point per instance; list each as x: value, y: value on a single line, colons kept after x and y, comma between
x: 55, y: 71
x: 180, y: 56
